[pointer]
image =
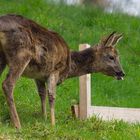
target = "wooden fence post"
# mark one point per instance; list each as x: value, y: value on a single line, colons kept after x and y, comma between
x: 85, y: 91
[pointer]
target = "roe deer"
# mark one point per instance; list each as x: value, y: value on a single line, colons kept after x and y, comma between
x: 35, y: 52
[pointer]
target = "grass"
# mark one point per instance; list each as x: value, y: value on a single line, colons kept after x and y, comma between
x: 77, y: 25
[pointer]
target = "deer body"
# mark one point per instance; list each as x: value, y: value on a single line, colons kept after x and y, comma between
x: 47, y: 50
x: 35, y: 52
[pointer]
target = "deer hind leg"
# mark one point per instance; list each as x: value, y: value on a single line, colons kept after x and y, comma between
x: 52, y: 82
x: 15, y: 70
x: 42, y: 93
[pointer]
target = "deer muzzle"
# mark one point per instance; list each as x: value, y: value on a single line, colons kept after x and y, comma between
x: 119, y: 75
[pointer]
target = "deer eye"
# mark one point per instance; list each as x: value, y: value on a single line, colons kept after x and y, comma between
x: 111, y: 57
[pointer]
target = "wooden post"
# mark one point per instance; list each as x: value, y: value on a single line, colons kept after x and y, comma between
x: 85, y: 91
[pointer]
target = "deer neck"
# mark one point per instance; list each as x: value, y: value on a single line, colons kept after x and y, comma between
x: 82, y: 62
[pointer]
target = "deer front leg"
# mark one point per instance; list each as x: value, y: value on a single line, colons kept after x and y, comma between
x: 8, y: 86
x: 52, y: 81
x: 42, y: 93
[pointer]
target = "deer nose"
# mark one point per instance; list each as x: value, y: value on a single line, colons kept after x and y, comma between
x: 120, y: 73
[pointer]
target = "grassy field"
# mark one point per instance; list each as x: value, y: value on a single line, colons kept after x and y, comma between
x: 77, y: 25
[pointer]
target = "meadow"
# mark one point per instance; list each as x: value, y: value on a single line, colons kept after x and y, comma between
x: 77, y: 24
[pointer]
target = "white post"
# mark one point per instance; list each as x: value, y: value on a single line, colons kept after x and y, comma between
x: 85, y: 91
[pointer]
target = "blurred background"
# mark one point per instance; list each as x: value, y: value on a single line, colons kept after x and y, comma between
x: 131, y: 7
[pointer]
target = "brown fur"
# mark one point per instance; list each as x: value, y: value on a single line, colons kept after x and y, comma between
x: 35, y: 52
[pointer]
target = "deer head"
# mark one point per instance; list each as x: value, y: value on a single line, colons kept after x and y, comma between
x: 107, y: 58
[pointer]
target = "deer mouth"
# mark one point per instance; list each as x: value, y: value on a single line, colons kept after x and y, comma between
x: 119, y: 75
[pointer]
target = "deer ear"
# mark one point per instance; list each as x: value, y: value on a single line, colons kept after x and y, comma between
x: 116, y: 39
x: 110, y: 41
x: 107, y: 41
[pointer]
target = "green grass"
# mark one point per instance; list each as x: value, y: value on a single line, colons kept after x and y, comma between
x: 77, y: 25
